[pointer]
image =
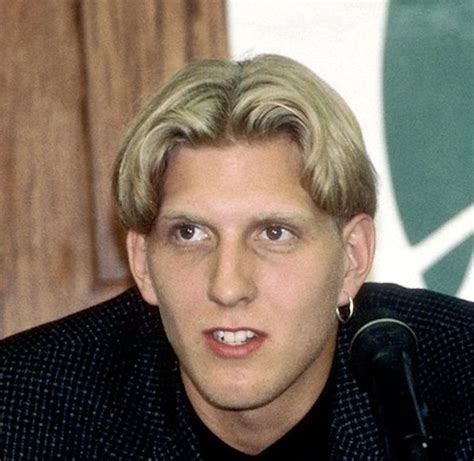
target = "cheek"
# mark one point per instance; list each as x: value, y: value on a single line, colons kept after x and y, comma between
x: 311, y: 278
x: 179, y: 290
x: 306, y: 296
x: 180, y: 316
x: 179, y: 310
x: 175, y: 279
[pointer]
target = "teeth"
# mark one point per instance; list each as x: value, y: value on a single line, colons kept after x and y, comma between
x: 234, y: 338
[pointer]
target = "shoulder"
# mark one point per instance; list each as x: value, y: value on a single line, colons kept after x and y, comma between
x: 418, y: 306
x: 443, y: 324
x: 94, y: 338
x: 72, y: 385
x: 445, y: 357
x: 101, y: 338
x: 98, y: 326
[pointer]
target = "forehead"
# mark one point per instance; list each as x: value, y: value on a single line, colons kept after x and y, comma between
x: 262, y: 164
x: 236, y: 183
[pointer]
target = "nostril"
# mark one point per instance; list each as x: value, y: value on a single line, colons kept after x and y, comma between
x: 231, y: 288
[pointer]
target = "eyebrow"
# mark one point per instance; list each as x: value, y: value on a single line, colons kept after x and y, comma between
x: 181, y: 215
x: 289, y: 218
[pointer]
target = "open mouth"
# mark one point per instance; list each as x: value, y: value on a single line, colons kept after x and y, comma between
x: 234, y: 338
x: 234, y: 343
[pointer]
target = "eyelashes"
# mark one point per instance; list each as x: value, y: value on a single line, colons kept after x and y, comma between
x: 187, y: 233
x: 276, y: 233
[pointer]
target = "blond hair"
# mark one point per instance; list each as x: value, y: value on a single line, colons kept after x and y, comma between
x: 218, y: 102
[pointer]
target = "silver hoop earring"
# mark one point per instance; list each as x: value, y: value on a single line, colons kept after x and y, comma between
x: 345, y: 316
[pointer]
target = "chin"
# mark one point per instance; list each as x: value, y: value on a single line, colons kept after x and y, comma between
x: 239, y: 396
x: 238, y: 402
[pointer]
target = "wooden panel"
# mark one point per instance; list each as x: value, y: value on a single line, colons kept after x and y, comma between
x: 73, y: 73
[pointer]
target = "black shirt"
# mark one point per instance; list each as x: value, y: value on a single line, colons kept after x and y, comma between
x: 308, y: 440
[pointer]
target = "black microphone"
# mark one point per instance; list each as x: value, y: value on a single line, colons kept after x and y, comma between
x: 382, y: 356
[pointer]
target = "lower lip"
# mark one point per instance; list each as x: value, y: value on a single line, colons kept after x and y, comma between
x: 242, y: 351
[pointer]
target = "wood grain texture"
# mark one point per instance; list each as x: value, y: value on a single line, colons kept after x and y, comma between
x: 73, y: 73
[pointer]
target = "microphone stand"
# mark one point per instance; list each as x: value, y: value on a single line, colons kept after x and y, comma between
x: 386, y: 372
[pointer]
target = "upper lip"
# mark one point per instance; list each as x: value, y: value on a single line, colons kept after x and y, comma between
x: 234, y: 329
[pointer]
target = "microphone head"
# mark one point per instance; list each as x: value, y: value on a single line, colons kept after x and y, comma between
x: 380, y: 342
x: 382, y: 357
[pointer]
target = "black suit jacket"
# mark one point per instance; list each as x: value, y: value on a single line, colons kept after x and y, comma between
x: 104, y: 384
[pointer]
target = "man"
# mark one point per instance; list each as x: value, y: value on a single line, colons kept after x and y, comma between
x: 249, y: 203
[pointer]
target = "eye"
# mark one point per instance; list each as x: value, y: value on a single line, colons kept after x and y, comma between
x: 277, y: 234
x: 189, y: 233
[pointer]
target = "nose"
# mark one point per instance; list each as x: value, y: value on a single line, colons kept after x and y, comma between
x: 232, y: 280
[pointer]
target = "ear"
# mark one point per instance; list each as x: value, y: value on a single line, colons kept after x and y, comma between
x: 359, y: 245
x: 137, y: 260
